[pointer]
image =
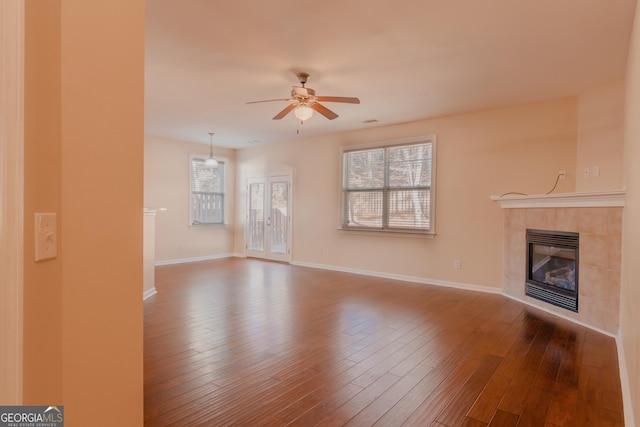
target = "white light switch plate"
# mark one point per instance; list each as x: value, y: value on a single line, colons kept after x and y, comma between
x: 46, y: 236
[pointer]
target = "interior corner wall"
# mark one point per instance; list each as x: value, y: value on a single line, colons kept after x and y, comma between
x: 12, y: 201
x: 102, y: 160
x: 479, y: 154
x: 601, y: 138
x: 166, y: 185
x: 84, y: 147
x: 630, y: 287
x: 43, y: 290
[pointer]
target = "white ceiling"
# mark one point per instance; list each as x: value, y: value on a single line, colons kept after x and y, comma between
x: 405, y: 59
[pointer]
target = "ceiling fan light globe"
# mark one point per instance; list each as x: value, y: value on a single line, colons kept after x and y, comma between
x: 303, y: 112
x: 211, y: 162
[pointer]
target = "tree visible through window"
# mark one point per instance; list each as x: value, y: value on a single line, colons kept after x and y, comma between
x: 389, y: 187
x: 207, y: 192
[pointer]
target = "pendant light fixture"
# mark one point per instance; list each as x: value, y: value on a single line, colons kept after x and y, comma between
x: 211, y: 162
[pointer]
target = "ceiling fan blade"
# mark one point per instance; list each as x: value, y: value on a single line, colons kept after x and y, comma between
x: 286, y: 111
x: 323, y: 110
x: 346, y: 99
x: 269, y: 100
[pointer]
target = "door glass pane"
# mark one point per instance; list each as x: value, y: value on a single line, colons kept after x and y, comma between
x: 256, y: 217
x: 278, y: 229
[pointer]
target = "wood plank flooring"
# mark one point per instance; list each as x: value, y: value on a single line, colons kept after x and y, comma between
x: 251, y: 343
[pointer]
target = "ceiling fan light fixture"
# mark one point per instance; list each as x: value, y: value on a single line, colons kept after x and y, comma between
x: 303, y: 112
x: 211, y: 162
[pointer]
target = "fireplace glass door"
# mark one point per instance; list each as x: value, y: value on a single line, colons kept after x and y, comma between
x: 552, y: 267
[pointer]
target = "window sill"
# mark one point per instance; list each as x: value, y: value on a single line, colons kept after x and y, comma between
x: 394, y: 233
x: 209, y: 225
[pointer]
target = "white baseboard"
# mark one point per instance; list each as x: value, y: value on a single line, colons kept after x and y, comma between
x: 148, y: 293
x: 413, y: 279
x: 193, y: 259
x: 624, y: 382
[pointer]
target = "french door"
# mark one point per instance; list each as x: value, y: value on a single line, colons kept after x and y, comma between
x: 268, y: 228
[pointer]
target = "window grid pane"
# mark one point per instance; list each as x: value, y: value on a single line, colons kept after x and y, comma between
x: 207, y: 192
x: 409, y: 166
x: 364, y: 169
x: 364, y: 209
x: 401, y: 177
x: 206, y: 208
x: 409, y: 209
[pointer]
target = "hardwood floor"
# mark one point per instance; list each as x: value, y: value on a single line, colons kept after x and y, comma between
x: 252, y: 343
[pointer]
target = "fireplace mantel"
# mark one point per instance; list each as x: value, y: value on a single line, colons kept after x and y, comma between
x: 563, y: 200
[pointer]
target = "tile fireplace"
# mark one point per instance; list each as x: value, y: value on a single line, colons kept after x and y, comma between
x: 597, y: 219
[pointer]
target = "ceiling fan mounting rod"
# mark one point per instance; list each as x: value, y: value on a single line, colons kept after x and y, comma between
x: 303, y: 78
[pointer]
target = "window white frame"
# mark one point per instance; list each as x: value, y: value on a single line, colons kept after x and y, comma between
x: 211, y: 210
x: 386, y: 190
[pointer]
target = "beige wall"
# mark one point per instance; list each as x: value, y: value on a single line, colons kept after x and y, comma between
x: 630, y: 291
x: 600, y: 137
x: 84, y: 149
x: 478, y: 154
x: 166, y: 172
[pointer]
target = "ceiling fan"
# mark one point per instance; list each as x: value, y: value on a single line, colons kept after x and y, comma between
x: 305, y: 101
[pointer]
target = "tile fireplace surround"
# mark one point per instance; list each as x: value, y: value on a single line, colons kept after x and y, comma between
x: 597, y: 217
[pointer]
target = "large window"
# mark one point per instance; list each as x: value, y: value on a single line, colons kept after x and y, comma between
x: 389, y: 187
x: 207, y: 192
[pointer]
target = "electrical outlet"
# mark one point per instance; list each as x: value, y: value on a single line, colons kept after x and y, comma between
x: 586, y: 172
x: 562, y: 174
x: 456, y: 264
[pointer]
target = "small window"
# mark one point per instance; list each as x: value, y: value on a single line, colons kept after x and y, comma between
x: 389, y: 187
x: 207, y: 192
